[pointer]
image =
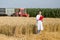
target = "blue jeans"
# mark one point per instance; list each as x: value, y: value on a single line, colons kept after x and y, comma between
x: 38, y: 31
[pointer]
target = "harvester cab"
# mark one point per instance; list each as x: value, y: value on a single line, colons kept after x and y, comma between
x: 23, y: 13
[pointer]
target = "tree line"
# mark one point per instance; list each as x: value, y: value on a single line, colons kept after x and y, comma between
x: 46, y: 12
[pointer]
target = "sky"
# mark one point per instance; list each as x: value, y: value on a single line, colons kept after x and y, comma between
x: 29, y: 3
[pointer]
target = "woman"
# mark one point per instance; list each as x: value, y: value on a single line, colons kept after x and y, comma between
x: 39, y: 19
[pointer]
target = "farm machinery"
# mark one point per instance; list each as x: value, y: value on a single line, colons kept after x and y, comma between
x: 20, y: 12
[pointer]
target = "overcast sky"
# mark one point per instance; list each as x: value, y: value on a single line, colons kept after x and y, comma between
x: 29, y: 3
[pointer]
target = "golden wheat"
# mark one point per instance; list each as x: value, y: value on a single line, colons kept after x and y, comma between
x: 22, y: 27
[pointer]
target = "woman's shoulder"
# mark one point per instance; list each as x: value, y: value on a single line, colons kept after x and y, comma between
x: 38, y: 15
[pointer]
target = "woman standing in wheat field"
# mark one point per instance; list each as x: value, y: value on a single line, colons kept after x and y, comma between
x: 39, y: 20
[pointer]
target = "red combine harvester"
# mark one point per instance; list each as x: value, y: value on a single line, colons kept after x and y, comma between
x: 21, y: 13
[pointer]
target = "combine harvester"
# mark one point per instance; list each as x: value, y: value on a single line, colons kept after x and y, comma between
x: 21, y: 13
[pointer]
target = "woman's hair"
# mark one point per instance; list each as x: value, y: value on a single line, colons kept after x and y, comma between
x: 39, y: 11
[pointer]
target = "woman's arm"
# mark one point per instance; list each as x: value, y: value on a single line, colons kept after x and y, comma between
x: 37, y: 18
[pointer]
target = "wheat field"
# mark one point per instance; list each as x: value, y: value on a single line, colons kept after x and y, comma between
x: 22, y: 28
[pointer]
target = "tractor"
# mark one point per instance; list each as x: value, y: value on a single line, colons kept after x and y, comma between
x: 21, y: 12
